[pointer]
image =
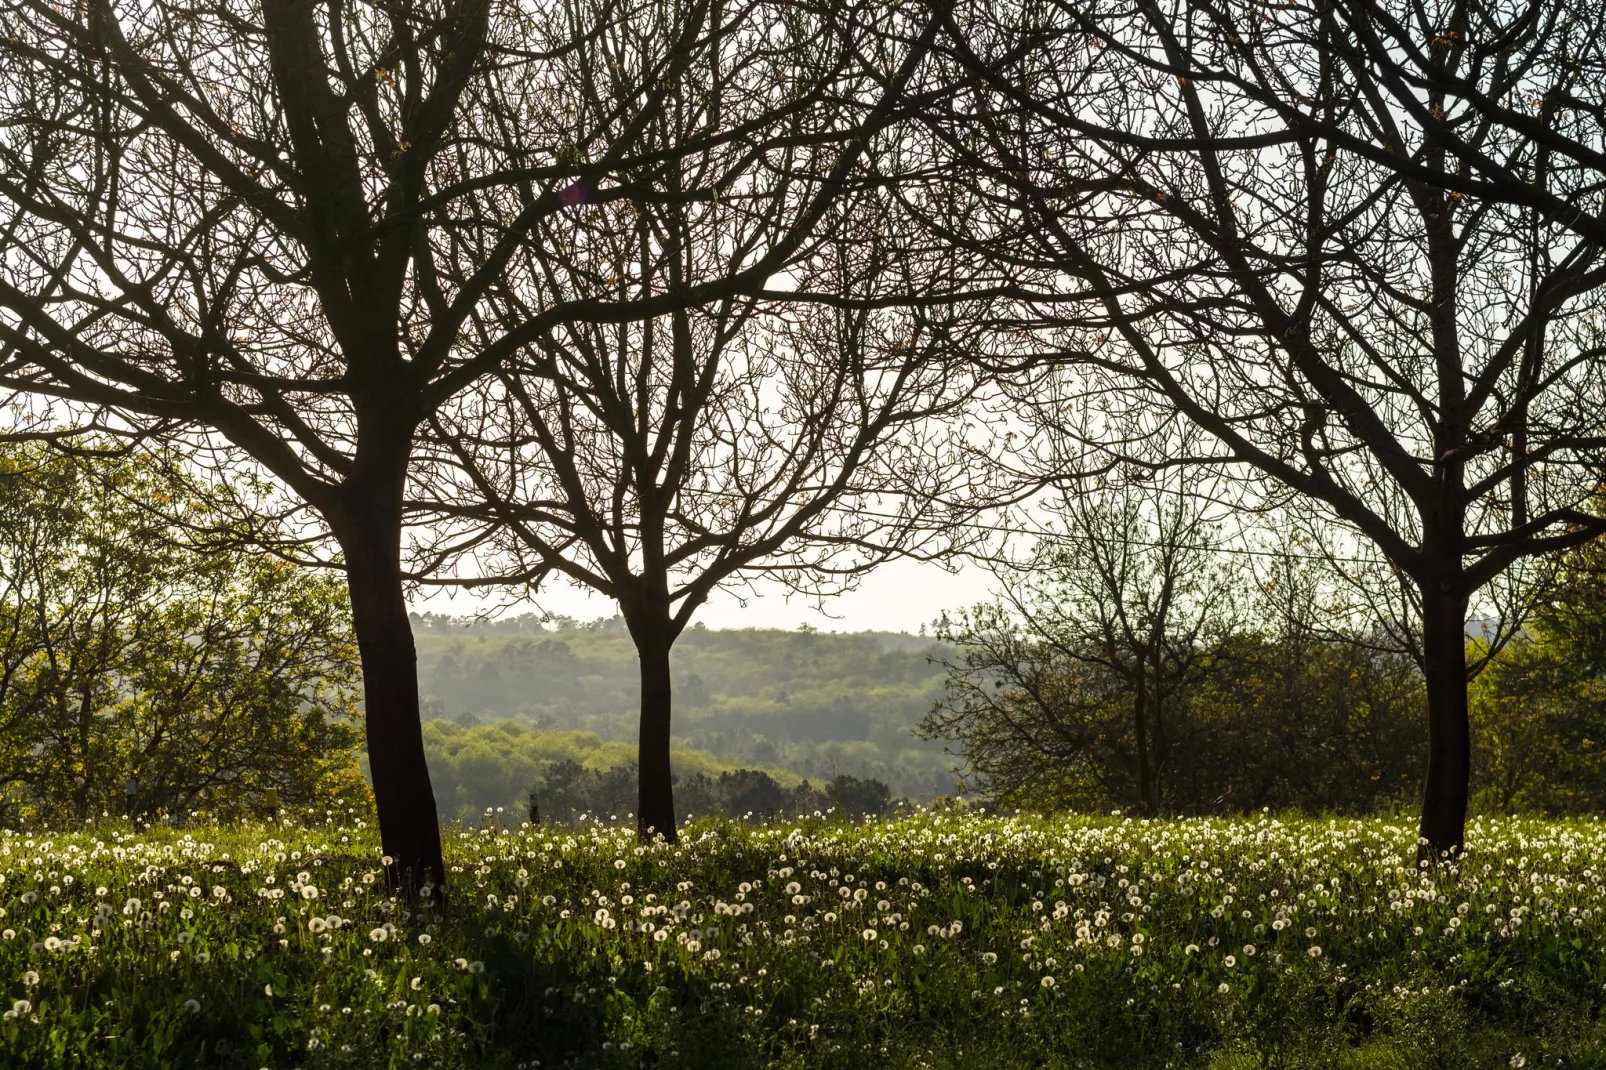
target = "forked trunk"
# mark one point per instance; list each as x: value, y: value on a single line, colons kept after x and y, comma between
x: 409, y: 827
x: 655, y: 812
x: 1444, y: 799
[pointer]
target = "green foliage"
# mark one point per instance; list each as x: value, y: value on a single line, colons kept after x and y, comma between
x: 128, y: 661
x: 1272, y: 715
x: 944, y: 940
x: 480, y: 768
x: 815, y: 705
x: 1539, y: 707
x: 492, y: 768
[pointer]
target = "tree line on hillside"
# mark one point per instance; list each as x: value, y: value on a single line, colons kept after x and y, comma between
x: 569, y: 792
x: 659, y: 297
x: 492, y: 769
x: 814, y: 703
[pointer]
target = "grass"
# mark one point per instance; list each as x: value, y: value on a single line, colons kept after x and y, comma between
x: 935, y: 941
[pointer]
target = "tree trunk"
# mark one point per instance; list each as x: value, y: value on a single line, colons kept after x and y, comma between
x: 655, y: 811
x: 1140, y: 734
x: 409, y: 826
x: 1444, y: 665
x: 1158, y: 748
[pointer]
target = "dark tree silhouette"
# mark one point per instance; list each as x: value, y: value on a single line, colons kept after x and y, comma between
x: 656, y: 462
x: 287, y: 227
x: 1281, y: 225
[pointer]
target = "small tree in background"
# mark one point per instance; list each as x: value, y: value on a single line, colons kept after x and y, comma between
x: 1071, y: 677
x: 1260, y: 694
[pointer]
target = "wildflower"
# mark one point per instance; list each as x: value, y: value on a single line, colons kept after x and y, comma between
x: 30, y: 898
x: 192, y: 1006
x: 989, y: 957
x: 318, y: 925
x: 1314, y: 952
x: 378, y: 936
x: 1047, y: 981
x: 1223, y: 988
x: 433, y: 1008
x: 1191, y: 949
x: 1310, y: 934
x: 868, y: 935
x: 267, y: 990
x: 1249, y: 950
x: 184, y: 938
x: 1230, y: 961
x: 424, y: 938
x: 21, y: 1007
x: 416, y: 983
x: 476, y: 967
x: 202, y: 958
x: 30, y: 978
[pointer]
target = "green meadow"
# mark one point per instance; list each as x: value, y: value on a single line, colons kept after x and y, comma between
x: 944, y: 939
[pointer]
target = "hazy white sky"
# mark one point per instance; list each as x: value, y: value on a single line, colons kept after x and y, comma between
x: 899, y: 596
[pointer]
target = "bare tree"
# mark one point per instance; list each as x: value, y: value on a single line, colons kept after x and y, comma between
x: 1263, y: 236
x: 656, y: 462
x: 1119, y: 611
x: 287, y: 226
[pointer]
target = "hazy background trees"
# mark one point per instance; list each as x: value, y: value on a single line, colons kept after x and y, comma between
x: 1139, y: 660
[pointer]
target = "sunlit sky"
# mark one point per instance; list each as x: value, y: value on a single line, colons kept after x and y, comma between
x: 900, y: 596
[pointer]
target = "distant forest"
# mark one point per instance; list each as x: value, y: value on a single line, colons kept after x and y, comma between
x: 812, y: 704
